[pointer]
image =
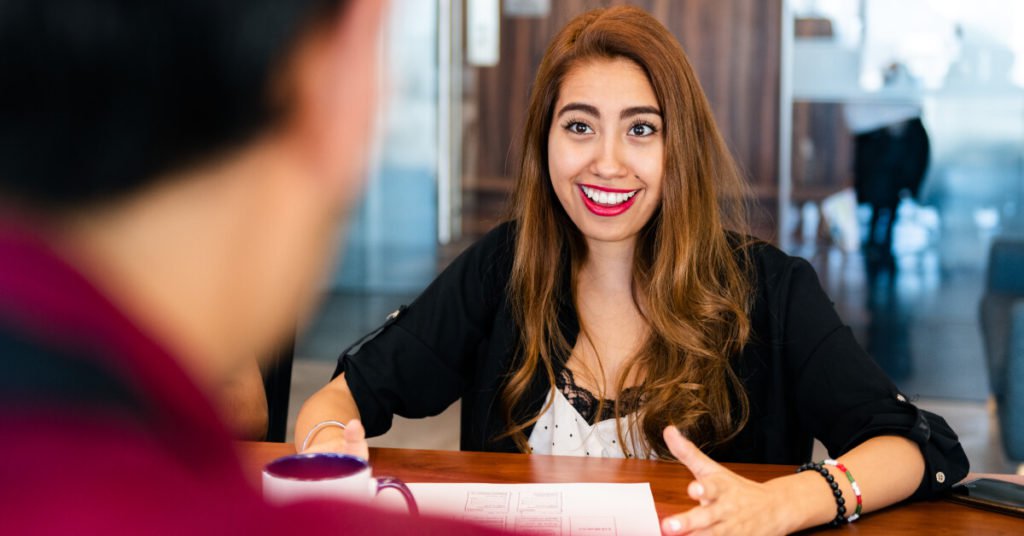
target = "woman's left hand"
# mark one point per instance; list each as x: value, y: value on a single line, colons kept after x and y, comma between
x: 729, y: 503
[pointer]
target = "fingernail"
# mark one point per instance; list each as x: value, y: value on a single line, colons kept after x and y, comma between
x: 673, y: 525
x: 697, y: 489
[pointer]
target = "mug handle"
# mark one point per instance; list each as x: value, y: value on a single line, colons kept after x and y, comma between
x: 384, y: 482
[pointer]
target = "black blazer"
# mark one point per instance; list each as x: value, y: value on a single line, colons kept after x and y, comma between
x: 804, y: 373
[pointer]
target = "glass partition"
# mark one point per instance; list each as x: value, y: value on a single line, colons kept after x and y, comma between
x: 907, y: 151
x: 859, y: 66
x: 392, y: 238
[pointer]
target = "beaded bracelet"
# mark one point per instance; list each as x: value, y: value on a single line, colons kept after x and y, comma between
x: 853, y: 484
x: 836, y: 492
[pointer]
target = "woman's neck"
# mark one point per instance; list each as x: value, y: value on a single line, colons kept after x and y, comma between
x: 612, y: 326
x: 608, y: 266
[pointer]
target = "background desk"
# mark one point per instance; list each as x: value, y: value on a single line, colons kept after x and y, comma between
x: 668, y: 484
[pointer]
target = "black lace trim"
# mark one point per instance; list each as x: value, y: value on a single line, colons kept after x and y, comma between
x: 586, y: 403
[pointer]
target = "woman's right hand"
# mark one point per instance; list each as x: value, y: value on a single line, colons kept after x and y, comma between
x: 351, y: 440
x: 333, y: 402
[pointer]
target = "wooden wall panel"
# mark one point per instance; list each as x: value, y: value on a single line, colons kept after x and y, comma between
x: 822, y: 151
x: 732, y: 44
x: 822, y: 145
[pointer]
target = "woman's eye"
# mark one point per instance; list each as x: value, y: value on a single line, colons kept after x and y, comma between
x: 578, y: 128
x: 641, y: 129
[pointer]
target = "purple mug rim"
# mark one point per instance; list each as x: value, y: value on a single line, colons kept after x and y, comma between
x: 269, y: 469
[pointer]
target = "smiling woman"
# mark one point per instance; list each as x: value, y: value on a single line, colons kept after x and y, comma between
x: 623, y: 311
x: 617, y: 109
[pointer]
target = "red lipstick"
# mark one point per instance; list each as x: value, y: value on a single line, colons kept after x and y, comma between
x: 606, y: 210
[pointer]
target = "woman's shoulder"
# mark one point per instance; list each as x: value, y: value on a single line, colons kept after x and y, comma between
x: 489, y: 257
x: 759, y: 252
x: 770, y: 268
x: 496, y: 247
x: 501, y: 237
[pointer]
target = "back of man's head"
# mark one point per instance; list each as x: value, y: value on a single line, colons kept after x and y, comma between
x: 99, y: 98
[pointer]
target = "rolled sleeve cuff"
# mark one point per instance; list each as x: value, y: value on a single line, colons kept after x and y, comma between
x: 944, y: 458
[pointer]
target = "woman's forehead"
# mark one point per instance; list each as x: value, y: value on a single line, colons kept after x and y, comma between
x: 607, y: 83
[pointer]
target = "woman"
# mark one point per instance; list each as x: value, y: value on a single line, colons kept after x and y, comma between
x: 616, y: 316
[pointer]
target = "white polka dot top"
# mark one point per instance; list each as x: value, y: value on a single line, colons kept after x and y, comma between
x: 563, y: 430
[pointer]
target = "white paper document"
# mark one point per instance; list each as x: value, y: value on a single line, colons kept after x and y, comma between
x: 578, y: 509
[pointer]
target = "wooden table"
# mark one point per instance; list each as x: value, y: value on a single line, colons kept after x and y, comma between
x: 668, y: 484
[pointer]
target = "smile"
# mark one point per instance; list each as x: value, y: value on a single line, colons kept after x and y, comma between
x: 607, y: 201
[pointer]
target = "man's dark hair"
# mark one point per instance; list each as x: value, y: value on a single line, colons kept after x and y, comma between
x: 98, y: 98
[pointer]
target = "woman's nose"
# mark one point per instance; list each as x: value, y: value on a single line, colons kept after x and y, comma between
x: 608, y: 162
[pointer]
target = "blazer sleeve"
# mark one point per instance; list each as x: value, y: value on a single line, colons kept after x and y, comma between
x: 419, y: 362
x: 844, y: 397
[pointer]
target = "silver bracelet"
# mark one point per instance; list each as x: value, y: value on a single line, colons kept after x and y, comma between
x: 317, y: 428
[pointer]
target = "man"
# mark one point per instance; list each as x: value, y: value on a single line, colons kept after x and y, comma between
x: 171, y: 177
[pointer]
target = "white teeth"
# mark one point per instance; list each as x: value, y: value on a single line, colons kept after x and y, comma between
x: 607, y: 198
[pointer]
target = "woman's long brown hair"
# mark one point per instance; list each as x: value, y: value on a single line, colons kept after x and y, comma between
x: 690, y: 281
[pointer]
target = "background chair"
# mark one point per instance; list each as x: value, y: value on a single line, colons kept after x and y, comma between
x: 1002, y: 324
x: 277, y: 383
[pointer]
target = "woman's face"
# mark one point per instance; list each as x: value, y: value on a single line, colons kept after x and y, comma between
x: 606, y: 150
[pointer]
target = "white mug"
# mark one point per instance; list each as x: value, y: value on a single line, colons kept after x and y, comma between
x: 325, y: 475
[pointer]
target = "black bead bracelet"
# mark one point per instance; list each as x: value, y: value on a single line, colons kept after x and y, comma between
x: 836, y: 492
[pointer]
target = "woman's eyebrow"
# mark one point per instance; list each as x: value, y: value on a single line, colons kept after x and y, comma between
x: 592, y: 110
x: 579, y: 107
x: 638, y: 110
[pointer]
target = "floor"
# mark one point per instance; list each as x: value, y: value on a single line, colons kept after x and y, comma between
x: 917, y: 315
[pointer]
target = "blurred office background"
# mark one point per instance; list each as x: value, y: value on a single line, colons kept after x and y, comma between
x: 790, y: 81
